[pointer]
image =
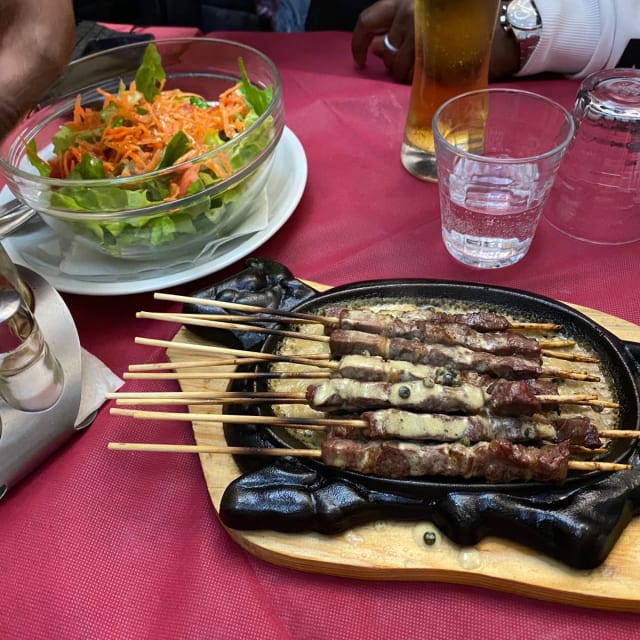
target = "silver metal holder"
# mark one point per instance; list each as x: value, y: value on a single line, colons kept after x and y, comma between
x: 28, y: 438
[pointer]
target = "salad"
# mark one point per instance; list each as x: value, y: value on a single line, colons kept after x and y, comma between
x: 145, y: 128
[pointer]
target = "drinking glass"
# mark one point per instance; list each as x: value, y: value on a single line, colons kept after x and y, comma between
x: 498, y: 151
x: 452, y: 49
x: 596, y: 196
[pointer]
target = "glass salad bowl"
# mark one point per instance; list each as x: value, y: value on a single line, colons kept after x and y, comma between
x: 98, y: 161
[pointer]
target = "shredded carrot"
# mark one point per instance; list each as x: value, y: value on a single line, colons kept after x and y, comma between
x: 129, y: 133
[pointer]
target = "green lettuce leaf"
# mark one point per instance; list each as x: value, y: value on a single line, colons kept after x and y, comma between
x: 35, y: 160
x: 89, y: 168
x: 150, y: 74
x: 259, y: 99
x: 176, y: 148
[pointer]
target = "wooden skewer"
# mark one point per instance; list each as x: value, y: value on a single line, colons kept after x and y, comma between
x: 194, y: 448
x: 311, y: 424
x: 235, y: 306
x: 302, y: 423
x: 579, y: 465
x: 159, y: 395
x: 320, y: 359
x: 200, y: 322
x: 594, y: 465
x: 585, y: 451
x: 536, y: 326
x: 579, y: 398
x: 223, y: 375
x: 282, y: 319
x: 310, y: 359
x: 192, y: 364
x: 573, y: 357
x: 276, y: 397
x: 220, y: 322
x: 183, y: 401
x: 619, y: 433
x: 549, y: 372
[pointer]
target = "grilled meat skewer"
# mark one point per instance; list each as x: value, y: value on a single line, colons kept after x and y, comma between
x: 387, y: 323
x: 406, y: 425
x: 501, y: 398
x: 412, y: 326
x: 360, y: 343
x: 451, y: 334
x: 487, y: 321
x: 375, y: 368
x: 496, y: 461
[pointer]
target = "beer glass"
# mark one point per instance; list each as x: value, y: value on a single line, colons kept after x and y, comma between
x: 453, y: 45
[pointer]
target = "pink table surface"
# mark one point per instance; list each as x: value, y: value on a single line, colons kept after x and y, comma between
x: 99, y: 544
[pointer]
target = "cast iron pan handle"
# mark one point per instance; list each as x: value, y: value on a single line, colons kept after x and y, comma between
x: 580, y: 531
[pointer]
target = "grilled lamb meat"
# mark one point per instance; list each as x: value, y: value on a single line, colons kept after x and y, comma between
x: 496, y: 461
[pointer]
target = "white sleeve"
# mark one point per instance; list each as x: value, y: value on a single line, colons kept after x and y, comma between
x: 581, y: 36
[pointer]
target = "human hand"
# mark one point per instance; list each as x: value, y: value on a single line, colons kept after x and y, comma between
x: 393, y: 19
x: 36, y: 40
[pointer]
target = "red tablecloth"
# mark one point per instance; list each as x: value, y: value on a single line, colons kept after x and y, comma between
x: 96, y: 544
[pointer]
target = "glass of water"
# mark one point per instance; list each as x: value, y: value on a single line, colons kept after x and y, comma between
x: 497, y: 154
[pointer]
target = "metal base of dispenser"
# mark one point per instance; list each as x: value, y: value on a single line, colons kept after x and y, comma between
x: 27, y: 438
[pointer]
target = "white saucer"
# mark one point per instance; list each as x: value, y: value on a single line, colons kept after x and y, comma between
x: 284, y: 189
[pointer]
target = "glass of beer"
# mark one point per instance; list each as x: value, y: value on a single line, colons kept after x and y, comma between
x: 453, y: 45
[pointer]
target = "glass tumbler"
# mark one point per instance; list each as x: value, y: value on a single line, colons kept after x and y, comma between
x: 498, y: 152
x: 596, y: 195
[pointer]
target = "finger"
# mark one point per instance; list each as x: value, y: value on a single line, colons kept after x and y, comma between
x: 400, y: 66
x: 377, y: 46
x: 393, y: 41
x: 373, y: 21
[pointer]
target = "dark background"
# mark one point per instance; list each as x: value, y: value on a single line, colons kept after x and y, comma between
x: 211, y: 15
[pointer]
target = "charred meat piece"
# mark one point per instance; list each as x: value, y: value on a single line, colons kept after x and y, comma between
x: 508, y: 397
x: 344, y: 395
x: 376, y: 369
x: 496, y: 461
x: 446, y: 333
x: 370, y: 321
x: 512, y: 398
x: 406, y: 425
x: 357, y: 342
x: 578, y: 430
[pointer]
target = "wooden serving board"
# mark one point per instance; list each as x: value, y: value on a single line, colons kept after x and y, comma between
x: 389, y: 550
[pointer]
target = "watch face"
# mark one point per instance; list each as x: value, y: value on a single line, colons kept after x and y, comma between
x: 522, y: 14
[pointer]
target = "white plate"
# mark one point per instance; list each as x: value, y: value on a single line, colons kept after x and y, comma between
x: 284, y: 189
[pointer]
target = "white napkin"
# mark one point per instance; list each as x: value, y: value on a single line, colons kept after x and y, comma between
x: 97, y: 380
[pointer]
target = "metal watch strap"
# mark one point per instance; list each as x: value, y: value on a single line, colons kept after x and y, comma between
x: 521, y: 18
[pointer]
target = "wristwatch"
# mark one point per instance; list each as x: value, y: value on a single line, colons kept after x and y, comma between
x: 521, y: 18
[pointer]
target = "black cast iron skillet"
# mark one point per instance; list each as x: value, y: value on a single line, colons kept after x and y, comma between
x: 577, y: 523
x: 620, y: 360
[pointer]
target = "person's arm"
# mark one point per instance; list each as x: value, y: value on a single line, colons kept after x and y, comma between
x: 36, y: 40
x: 578, y: 37
x: 582, y: 36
